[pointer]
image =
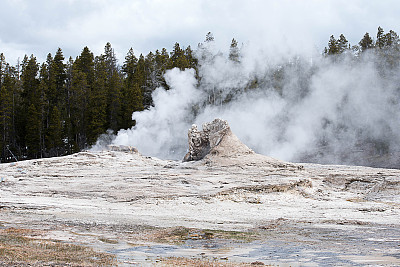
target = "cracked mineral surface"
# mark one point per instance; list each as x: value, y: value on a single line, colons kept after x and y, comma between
x: 143, y: 208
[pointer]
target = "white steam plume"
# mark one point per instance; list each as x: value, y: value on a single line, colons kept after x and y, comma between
x: 162, y: 130
x: 296, y: 109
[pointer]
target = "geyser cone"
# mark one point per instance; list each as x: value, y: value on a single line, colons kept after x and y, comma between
x: 216, y: 144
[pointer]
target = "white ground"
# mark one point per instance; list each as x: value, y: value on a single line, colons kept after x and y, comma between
x: 239, y: 191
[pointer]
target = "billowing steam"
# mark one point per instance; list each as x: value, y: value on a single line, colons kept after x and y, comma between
x: 162, y: 130
x: 327, y: 110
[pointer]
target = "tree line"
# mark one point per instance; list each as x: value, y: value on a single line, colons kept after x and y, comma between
x: 385, y: 43
x: 60, y: 106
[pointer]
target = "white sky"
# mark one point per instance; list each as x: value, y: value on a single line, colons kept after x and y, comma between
x: 39, y: 27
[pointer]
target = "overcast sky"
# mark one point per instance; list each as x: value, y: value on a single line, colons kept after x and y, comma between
x: 41, y: 26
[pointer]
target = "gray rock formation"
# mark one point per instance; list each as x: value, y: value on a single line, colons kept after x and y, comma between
x: 203, y: 142
x: 198, y: 144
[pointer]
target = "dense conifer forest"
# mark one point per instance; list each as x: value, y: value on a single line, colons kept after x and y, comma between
x: 61, y: 106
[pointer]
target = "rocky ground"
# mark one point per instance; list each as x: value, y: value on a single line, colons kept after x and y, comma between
x: 233, y: 206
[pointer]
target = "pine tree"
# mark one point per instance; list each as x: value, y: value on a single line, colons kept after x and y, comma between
x: 209, y: 37
x: 30, y: 83
x: 59, y: 73
x: 85, y: 63
x: 391, y: 39
x: 113, y: 87
x: 152, y: 74
x: 30, y: 114
x: 380, y: 38
x: 151, y: 68
x: 110, y: 60
x: 7, y: 84
x: 140, y: 79
x: 192, y: 60
x: 43, y: 107
x: 132, y: 99
x: 342, y: 44
x: 234, y: 51
x: 366, y: 42
x: 81, y: 91
x: 17, y: 140
x: 97, y: 110
x: 67, y: 134
x: 178, y: 58
x: 56, y: 80
x: 130, y: 64
x: 333, y: 47
x: 79, y: 99
x: 204, y: 50
x: 162, y: 60
x: 48, y: 77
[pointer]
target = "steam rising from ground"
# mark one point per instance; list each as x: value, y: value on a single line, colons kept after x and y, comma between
x: 162, y: 130
x: 341, y: 110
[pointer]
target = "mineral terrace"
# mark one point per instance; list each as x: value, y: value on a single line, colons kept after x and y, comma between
x: 229, y: 205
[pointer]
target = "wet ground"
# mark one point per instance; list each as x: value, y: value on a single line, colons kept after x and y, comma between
x: 326, y: 245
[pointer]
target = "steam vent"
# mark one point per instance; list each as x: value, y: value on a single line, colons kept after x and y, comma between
x: 216, y: 138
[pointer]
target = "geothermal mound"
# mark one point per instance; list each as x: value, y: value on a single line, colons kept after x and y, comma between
x: 217, y: 144
x: 216, y: 138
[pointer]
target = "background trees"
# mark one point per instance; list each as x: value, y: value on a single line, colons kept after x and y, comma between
x: 386, y: 47
x: 7, y: 107
x: 338, y: 46
x: 60, y: 107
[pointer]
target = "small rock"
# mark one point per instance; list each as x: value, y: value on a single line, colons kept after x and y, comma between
x: 257, y: 263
